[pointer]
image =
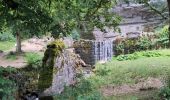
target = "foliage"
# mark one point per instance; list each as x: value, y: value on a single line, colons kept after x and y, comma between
x: 138, y: 55
x: 165, y: 93
x: 83, y: 90
x: 102, y: 71
x: 33, y: 59
x: 36, y: 17
x: 163, y: 36
x: 144, y: 43
x: 151, y: 54
x: 57, y: 46
x: 24, y: 16
x: 53, y: 50
x: 127, y: 57
x: 7, y: 84
x: 6, y: 45
x: 131, y: 71
x: 119, y: 48
x: 75, y: 35
x: 11, y: 57
x: 6, y: 37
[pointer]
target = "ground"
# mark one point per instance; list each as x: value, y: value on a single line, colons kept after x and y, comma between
x: 133, y: 79
x: 7, y: 58
x: 139, y: 78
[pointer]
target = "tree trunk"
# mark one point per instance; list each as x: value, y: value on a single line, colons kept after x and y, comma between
x: 169, y: 19
x: 18, y: 40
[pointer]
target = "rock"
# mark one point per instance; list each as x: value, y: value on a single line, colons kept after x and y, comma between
x: 59, y: 69
x: 67, y: 65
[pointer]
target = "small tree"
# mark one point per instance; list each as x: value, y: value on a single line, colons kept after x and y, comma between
x: 24, y: 17
x: 169, y: 20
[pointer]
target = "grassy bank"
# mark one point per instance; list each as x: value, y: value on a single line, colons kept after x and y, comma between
x: 115, y: 73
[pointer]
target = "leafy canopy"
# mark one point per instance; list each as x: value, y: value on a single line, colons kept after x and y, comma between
x: 56, y: 16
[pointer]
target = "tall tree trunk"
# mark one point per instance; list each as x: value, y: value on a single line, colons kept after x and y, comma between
x: 18, y: 46
x: 169, y: 19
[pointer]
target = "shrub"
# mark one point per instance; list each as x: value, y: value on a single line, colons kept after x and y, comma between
x: 33, y: 59
x: 6, y: 37
x: 11, y: 57
x: 75, y: 35
x: 144, y: 43
x: 163, y: 36
x: 119, y: 48
x: 165, y: 91
x: 83, y: 90
x: 163, y: 32
x: 151, y: 54
x: 7, y: 85
x: 102, y: 71
x: 137, y: 55
x: 127, y: 57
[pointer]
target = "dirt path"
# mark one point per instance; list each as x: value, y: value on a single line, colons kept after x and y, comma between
x: 17, y: 63
x: 30, y: 45
x: 144, y: 85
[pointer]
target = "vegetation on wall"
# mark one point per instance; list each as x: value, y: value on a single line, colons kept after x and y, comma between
x: 7, y: 84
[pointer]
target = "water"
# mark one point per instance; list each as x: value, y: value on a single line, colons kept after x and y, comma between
x: 103, y: 50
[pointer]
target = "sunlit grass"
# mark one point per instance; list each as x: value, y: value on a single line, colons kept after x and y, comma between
x: 130, y: 71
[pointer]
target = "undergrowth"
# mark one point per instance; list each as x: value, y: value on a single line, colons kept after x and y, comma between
x: 83, y: 90
x: 138, y: 55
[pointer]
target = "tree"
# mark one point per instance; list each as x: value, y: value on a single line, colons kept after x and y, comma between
x: 24, y: 17
x: 30, y: 17
x: 169, y: 20
x: 159, y: 11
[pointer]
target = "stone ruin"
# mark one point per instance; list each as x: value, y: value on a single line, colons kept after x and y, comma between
x: 65, y: 69
x: 60, y: 68
x: 92, y: 51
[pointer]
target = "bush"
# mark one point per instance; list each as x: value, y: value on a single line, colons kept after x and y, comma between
x: 165, y: 91
x: 127, y: 57
x: 119, y: 48
x: 33, y: 59
x: 102, y: 71
x: 137, y: 55
x: 83, y: 90
x: 7, y: 85
x: 144, y: 43
x: 163, y: 37
x: 151, y: 54
x: 6, y: 37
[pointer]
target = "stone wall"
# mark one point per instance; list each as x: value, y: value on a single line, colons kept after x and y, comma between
x: 92, y: 51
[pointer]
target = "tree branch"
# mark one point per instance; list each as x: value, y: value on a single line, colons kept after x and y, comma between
x: 155, y: 10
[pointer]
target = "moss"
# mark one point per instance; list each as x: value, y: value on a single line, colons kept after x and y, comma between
x: 54, y: 49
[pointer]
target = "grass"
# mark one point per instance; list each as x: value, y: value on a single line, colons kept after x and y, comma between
x: 125, y: 72
x: 11, y: 57
x: 118, y: 72
x: 33, y: 59
x: 6, y: 45
x: 143, y: 95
